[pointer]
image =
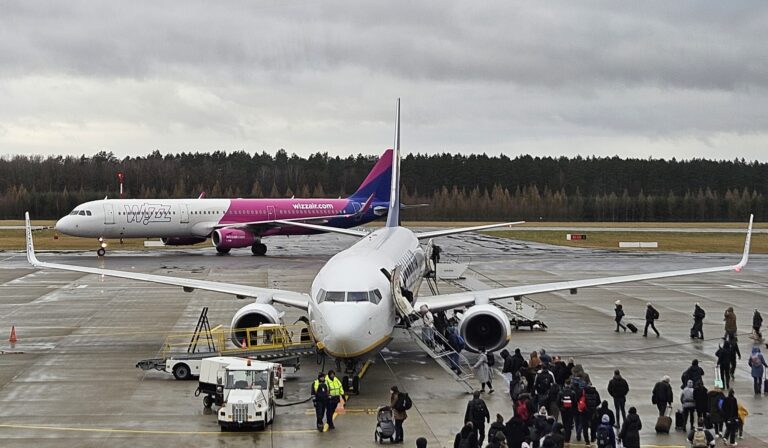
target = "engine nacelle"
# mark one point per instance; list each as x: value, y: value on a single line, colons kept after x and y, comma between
x: 232, y: 238
x: 182, y: 240
x: 253, y: 315
x: 485, y: 326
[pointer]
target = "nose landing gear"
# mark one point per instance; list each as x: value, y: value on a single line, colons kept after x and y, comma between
x: 351, y: 381
x: 102, y: 247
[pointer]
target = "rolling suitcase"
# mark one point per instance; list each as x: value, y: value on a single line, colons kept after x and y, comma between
x: 632, y: 327
x: 679, y: 420
x: 663, y: 424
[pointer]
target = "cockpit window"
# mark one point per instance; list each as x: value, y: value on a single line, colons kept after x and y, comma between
x: 88, y: 212
x: 375, y: 296
x: 357, y: 296
x: 335, y: 296
x: 82, y: 213
x: 73, y: 212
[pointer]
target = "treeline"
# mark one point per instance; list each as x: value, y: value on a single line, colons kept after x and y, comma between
x: 458, y: 187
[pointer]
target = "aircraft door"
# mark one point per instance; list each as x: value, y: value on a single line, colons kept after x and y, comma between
x: 270, y: 212
x: 184, y: 210
x: 109, y: 213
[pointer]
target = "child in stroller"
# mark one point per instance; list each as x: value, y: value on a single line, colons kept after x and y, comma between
x: 385, y: 425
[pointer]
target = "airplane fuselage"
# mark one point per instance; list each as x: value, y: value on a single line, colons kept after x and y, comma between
x: 196, y: 218
x: 351, y: 310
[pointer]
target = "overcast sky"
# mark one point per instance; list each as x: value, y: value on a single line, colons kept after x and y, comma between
x: 640, y: 79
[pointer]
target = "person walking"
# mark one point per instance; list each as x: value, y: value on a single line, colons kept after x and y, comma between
x: 466, y: 438
x: 662, y: 395
x: 496, y: 427
x: 630, y: 430
x: 483, y: 371
x: 568, y: 405
x: 320, y: 398
x: 457, y: 343
x: 335, y: 393
x: 651, y: 315
x: 605, y: 410
x: 700, y: 397
x: 542, y: 385
x: 591, y: 402
x: 428, y: 326
x: 723, y: 356
x: 516, y: 431
x: 697, y: 331
x: 688, y: 403
x: 477, y: 413
x: 618, y: 388
x: 400, y: 412
x: 715, y: 397
x: 618, y: 310
x: 743, y: 413
x: 731, y: 417
x: 758, y: 365
x: 734, y: 352
x: 730, y: 323
x: 757, y: 322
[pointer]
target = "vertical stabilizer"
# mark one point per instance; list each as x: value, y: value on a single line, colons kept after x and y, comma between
x: 393, y: 216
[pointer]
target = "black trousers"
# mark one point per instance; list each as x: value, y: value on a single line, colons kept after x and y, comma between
x: 619, y: 403
x: 725, y: 375
x: 731, y: 428
x: 399, y: 430
x: 697, y: 331
x: 330, y: 409
x: 480, y: 430
x: 662, y: 407
x: 567, y: 417
x: 688, y: 414
x: 620, y: 325
x: 320, y: 406
x: 649, y: 323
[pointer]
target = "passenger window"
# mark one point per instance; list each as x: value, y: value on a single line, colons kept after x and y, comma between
x: 357, y: 296
x: 335, y: 296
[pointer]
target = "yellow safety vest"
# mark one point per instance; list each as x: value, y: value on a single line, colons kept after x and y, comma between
x: 334, y: 387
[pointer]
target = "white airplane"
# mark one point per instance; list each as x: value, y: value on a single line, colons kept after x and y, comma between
x: 355, y: 300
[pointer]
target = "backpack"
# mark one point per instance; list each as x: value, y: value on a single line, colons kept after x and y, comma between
x: 465, y: 443
x: 655, y: 314
x: 491, y: 359
x: 403, y: 402
x: 699, y: 439
x: 582, y: 405
x: 521, y: 410
x: 543, y: 383
x: 603, y: 436
x: 478, y: 410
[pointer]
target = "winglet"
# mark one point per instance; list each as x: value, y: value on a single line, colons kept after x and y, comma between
x: 747, y: 242
x: 30, y: 244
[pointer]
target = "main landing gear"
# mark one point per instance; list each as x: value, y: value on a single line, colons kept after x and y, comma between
x: 222, y: 250
x: 259, y: 249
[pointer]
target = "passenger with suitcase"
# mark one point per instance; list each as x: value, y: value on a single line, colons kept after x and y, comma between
x: 662, y: 395
x: 758, y: 365
x: 630, y: 430
x: 716, y: 399
x: 619, y: 312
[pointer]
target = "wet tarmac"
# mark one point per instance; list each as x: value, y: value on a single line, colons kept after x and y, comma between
x: 70, y: 380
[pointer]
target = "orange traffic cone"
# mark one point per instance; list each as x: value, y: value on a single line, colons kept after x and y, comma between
x: 13, y: 338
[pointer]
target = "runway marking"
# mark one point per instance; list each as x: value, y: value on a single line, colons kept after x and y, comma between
x: 151, y: 431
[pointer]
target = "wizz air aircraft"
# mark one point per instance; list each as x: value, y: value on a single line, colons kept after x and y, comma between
x: 356, y: 301
x: 230, y: 223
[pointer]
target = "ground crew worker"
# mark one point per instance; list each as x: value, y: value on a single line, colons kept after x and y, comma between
x: 335, y: 392
x: 320, y: 398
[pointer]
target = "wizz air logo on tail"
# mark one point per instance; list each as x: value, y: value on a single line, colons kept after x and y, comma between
x: 147, y: 213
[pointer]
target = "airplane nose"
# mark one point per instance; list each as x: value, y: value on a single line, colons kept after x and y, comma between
x: 347, y: 332
x: 62, y: 225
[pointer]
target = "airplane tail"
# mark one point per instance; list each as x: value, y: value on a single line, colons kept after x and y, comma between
x: 393, y: 215
x: 377, y: 183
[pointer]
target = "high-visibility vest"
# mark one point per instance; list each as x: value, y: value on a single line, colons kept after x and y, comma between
x: 334, y: 387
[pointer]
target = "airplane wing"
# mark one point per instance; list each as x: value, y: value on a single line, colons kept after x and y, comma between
x: 294, y: 299
x: 447, y: 301
x: 253, y: 225
x: 446, y: 232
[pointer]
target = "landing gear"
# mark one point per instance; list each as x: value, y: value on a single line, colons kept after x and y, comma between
x: 101, y: 252
x: 259, y: 249
x: 222, y: 250
x: 351, y: 384
x: 102, y: 247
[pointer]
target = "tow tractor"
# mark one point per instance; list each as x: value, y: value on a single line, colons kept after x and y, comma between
x: 245, y: 391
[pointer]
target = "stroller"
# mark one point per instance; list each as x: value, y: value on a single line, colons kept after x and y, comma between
x: 385, y: 425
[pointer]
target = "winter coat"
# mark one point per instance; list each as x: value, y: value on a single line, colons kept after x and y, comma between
x: 757, y: 320
x: 757, y: 362
x: 605, y: 410
x: 630, y: 431
x: 470, y: 436
x: 650, y: 313
x: 698, y: 313
x: 517, y: 362
x: 592, y: 397
x: 700, y: 398
x: 482, y: 371
x: 507, y: 366
x: 561, y: 372
x: 619, y: 311
x: 516, y: 432
x: 471, y: 415
x: 618, y: 387
x: 662, y: 393
x: 693, y: 373
x: 730, y: 320
x: 399, y: 415
x: 715, y: 414
x: 723, y: 355
x: 687, y: 400
x: 495, y: 427
x: 730, y: 409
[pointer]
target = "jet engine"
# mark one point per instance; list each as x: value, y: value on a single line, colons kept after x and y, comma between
x: 182, y: 240
x: 253, y: 315
x: 232, y: 238
x: 485, y: 326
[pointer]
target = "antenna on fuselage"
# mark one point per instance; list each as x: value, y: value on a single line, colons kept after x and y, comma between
x: 393, y: 215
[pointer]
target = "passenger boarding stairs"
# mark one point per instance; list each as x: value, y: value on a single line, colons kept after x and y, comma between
x: 438, y: 349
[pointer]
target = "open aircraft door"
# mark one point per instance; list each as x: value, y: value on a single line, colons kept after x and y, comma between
x: 402, y: 305
x: 109, y: 213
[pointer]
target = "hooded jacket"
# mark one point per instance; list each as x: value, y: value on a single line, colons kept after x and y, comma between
x: 605, y: 410
x: 715, y: 414
x: 730, y: 320
x: 630, y: 431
